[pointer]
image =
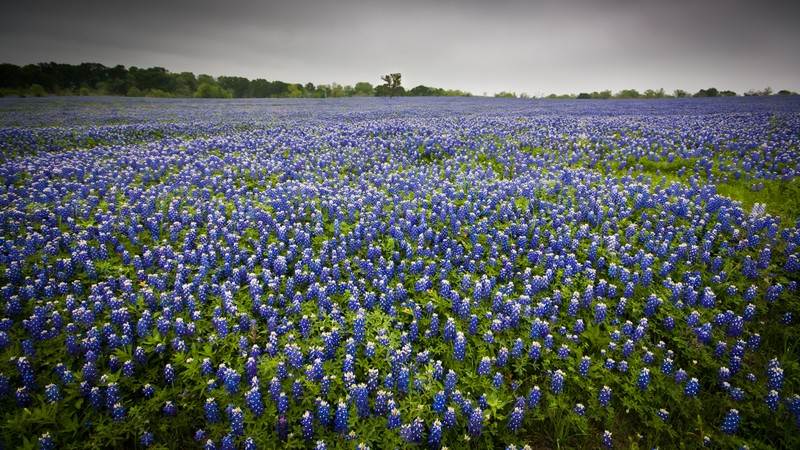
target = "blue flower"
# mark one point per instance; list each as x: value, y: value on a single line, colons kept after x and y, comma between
x: 46, y: 442
x: 146, y: 438
x: 534, y: 397
x: 692, y: 388
x: 237, y: 421
x: 118, y: 412
x: 460, y: 347
x: 583, y: 367
x: 643, y: 381
x: 307, y: 425
x: 435, y: 434
x: 475, y: 423
x: 211, y: 409
x: 607, y: 440
x: 342, y: 420
x: 604, y: 396
x: 557, y: 381
x: 413, y: 432
x: 515, y: 419
x: 731, y: 422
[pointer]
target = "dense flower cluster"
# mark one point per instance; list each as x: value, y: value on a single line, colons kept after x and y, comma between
x: 419, y: 273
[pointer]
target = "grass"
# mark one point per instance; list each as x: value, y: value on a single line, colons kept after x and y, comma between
x: 782, y: 198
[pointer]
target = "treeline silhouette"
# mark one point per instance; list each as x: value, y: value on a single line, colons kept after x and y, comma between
x: 96, y: 79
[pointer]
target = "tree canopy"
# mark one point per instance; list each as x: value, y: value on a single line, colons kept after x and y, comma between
x: 89, y: 78
x: 96, y: 79
x: 391, y: 83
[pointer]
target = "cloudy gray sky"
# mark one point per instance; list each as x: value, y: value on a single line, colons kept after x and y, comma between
x: 535, y: 46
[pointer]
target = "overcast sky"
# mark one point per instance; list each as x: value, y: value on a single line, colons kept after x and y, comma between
x: 537, y: 47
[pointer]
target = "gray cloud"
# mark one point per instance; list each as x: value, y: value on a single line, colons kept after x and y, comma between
x: 524, y: 46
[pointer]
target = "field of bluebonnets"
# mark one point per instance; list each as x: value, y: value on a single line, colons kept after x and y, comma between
x: 366, y: 273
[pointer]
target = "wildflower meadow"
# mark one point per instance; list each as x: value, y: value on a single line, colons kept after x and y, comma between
x: 408, y: 273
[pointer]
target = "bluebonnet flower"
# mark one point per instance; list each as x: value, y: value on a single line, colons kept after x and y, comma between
x: 557, y: 381
x: 484, y: 366
x: 148, y: 390
x: 236, y: 421
x: 497, y: 380
x: 460, y: 347
x: 772, y: 399
x: 643, y: 380
x: 692, y: 388
x: 435, y: 434
x: 46, y: 441
x: 307, y: 425
x: 731, y: 422
x: 607, y: 439
x: 449, y: 418
x: 774, y: 376
x: 169, y: 409
x: 211, y: 409
x: 439, y: 402
x: 450, y: 381
x: 51, y: 393
x: 502, y: 357
x: 323, y: 413
x: 282, y: 428
x: 342, y: 420
x: 25, y: 370
x: 475, y: 423
x: 253, y: 401
x: 394, y: 420
x: 146, y: 439
x: 600, y: 311
x: 483, y: 401
x: 604, y: 396
x: 360, y: 396
x: 681, y: 376
x: 413, y: 432
x: 282, y: 403
x: 169, y: 374
x: 515, y: 419
x: 583, y: 367
x: 535, y: 351
x: 118, y: 412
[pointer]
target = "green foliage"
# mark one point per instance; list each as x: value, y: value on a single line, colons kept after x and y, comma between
x: 754, y: 92
x: 134, y: 92
x: 36, y: 90
x: 504, y: 94
x: 710, y: 92
x: 208, y: 90
x: 363, y: 89
x: 392, y: 83
x: 628, y: 93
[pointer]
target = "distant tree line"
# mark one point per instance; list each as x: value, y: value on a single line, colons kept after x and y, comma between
x: 678, y: 93
x: 96, y: 79
x: 650, y: 93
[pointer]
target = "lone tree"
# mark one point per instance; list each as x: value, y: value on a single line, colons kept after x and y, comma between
x: 392, y: 83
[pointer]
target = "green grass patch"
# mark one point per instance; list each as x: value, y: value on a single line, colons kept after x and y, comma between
x: 782, y: 198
